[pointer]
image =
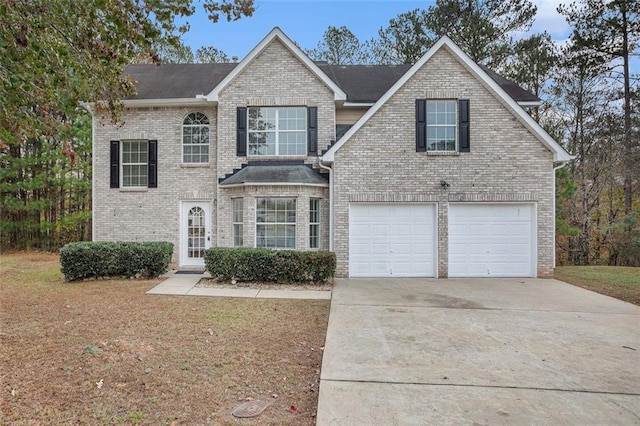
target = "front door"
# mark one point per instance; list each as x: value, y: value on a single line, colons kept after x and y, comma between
x: 195, y: 230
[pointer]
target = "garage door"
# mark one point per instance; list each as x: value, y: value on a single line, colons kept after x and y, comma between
x: 492, y: 240
x: 392, y: 240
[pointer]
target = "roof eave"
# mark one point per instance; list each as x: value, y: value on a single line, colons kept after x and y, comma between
x: 527, y: 104
x: 235, y: 185
x: 141, y: 103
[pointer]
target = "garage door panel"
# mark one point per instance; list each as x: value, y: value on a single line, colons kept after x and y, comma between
x: 491, y: 240
x: 400, y: 237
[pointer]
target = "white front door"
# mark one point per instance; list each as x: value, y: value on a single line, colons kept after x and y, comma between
x: 392, y: 240
x: 195, y: 232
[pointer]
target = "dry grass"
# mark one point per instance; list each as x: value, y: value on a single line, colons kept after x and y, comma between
x: 103, y: 352
x: 616, y: 281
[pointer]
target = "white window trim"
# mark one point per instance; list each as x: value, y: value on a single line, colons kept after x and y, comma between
x: 317, y: 224
x: 122, y: 164
x: 208, y: 144
x: 294, y: 223
x: 456, y: 126
x: 234, y: 223
x: 277, y: 132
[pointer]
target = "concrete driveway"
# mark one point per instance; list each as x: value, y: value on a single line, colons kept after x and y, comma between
x: 478, y: 351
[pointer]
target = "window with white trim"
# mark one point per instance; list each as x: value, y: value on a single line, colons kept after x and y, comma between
x: 195, y: 138
x: 442, y: 124
x: 277, y: 131
x: 276, y: 223
x: 238, y: 223
x: 134, y: 163
x: 314, y: 223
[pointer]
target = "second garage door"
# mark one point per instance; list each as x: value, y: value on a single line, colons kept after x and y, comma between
x: 492, y: 240
x: 392, y: 240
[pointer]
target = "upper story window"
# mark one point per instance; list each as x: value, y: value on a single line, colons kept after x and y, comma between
x: 277, y: 131
x: 135, y: 157
x: 195, y: 138
x: 133, y: 164
x: 441, y: 125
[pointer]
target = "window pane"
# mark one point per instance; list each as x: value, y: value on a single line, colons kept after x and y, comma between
x: 277, y: 131
x: 275, y: 222
x: 134, y: 163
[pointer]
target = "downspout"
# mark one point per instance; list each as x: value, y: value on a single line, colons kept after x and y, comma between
x: 564, y: 163
x: 330, y: 170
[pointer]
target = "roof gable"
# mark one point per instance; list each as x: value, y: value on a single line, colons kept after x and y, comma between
x: 276, y: 33
x: 559, y: 154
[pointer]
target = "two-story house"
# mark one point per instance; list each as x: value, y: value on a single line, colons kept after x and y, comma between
x: 430, y: 170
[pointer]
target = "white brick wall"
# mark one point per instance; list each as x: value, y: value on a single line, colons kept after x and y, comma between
x: 506, y: 163
x: 275, y: 77
x: 378, y: 164
x: 152, y: 214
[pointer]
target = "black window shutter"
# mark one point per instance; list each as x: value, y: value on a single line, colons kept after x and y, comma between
x: 463, y: 126
x: 114, y: 154
x: 241, y: 143
x: 153, y: 165
x: 421, y: 125
x: 312, y: 130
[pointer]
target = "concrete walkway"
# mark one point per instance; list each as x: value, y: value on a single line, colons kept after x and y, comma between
x: 185, y: 285
x: 481, y: 351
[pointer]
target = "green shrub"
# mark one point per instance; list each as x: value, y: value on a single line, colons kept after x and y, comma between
x: 115, y: 259
x: 260, y: 264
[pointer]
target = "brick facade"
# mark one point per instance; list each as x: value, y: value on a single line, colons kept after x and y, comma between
x: 379, y: 163
x: 506, y: 163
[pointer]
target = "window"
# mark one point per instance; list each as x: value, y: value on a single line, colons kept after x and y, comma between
x: 195, y: 138
x: 314, y: 223
x: 134, y: 164
x: 276, y: 223
x: 441, y: 125
x: 196, y: 229
x: 277, y: 131
x: 238, y: 215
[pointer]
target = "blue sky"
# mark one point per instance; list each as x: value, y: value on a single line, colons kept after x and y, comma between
x: 305, y: 21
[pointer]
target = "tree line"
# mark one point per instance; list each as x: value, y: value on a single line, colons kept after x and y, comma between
x: 589, y: 104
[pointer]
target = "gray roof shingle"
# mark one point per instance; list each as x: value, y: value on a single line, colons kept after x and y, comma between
x: 361, y: 83
x: 275, y: 172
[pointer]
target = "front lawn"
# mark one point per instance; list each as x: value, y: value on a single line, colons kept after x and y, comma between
x: 103, y: 352
x: 616, y: 281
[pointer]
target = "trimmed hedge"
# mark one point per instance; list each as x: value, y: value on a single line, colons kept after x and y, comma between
x: 115, y: 259
x: 261, y: 264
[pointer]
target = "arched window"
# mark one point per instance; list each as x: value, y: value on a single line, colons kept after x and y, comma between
x: 195, y: 138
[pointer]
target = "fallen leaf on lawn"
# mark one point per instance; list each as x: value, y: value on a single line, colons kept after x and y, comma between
x: 100, y: 383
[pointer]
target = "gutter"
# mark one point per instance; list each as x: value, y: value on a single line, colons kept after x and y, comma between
x: 330, y: 170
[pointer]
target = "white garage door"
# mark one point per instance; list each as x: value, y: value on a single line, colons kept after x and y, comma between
x: 392, y: 240
x: 492, y: 240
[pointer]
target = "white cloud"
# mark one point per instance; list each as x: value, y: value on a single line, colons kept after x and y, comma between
x: 548, y: 19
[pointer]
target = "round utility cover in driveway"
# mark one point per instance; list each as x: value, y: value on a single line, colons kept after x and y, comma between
x: 492, y: 240
x: 392, y: 240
